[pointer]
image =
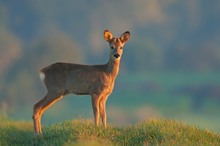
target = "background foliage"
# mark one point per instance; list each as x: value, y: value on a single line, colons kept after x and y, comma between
x: 170, y: 67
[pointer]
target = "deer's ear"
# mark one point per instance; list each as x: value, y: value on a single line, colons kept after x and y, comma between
x: 108, y: 35
x: 125, y: 37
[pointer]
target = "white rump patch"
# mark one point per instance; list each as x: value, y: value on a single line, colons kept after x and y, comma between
x: 42, y: 76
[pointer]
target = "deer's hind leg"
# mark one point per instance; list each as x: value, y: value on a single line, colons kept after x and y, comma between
x: 40, y: 107
x: 36, y: 116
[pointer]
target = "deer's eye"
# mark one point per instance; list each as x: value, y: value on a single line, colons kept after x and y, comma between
x: 121, y: 48
x: 112, y: 47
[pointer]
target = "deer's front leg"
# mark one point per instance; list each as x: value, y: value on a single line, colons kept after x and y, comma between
x: 95, y: 107
x: 102, y: 108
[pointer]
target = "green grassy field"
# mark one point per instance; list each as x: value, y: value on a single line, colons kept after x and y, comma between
x: 82, y: 132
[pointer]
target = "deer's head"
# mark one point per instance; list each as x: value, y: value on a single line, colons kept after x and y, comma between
x: 116, y: 44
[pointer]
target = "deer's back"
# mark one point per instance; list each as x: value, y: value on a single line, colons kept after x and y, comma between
x: 77, y: 78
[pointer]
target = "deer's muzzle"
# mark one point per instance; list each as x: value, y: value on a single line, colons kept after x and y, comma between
x: 116, y: 55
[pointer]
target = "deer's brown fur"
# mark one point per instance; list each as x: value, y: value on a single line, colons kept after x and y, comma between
x: 97, y: 81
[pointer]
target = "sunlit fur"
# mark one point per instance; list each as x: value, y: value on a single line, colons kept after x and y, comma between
x: 97, y: 81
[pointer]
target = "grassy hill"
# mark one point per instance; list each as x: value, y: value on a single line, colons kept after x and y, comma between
x: 82, y: 132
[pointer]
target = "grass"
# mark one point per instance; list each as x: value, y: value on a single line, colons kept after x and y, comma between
x: 81, y: 132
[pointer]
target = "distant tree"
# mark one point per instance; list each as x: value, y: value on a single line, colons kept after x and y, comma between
x: 143, y: 55
x: 10, y: 51
x: 53, y: 48
x: 193, y: 58
x: 10, y: 48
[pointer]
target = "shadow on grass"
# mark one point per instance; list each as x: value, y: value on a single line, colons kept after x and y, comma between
x: 139, y: 135
x: 15, y: 136
x: 58, y: 134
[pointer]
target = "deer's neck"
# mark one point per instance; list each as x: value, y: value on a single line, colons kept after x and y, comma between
x: 113, y: 67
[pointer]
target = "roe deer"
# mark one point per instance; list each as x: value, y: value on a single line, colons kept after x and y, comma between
x: 97, y: 81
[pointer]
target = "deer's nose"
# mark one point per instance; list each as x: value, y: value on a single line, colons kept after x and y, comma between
x: 116, y: 55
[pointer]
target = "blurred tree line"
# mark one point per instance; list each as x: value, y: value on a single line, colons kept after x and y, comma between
x: 166, y: 36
